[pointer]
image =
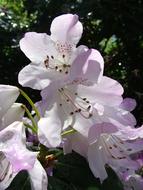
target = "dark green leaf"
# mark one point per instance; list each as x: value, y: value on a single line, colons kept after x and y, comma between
x: 74, y: 170
x: 20, y: 182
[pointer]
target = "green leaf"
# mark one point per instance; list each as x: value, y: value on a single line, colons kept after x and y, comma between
x: 57, y: 184
x: 20, y: 182
x: 112, y: 182
x: 73, y: 170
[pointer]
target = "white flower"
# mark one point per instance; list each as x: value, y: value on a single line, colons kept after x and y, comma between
x: 51, y: 56
x: 109, y: 146
x: 77, y: 102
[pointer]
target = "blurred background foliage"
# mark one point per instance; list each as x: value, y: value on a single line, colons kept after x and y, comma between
x: 113, y: 27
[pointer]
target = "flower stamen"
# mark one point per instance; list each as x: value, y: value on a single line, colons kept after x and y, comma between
x: 62, y: 68
x: 78, y: 104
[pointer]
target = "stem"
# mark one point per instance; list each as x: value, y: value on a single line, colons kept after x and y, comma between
x: 30, y: 102
x: 31, y: 118
x: 71, y: 131
x: 59, y: 153
x: 30, y: 127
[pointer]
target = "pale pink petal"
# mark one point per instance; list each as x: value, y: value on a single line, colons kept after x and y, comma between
x: 66, y: 28
x: 34, y: 76
x: 99, y: 94
x: 122, y: 116
x: 128, y: 104
x: 38, y: 177
x: 79, y: 50
x: 97, y: 129
x: 97, y: 159
x: 49, y: 128
x: 36, y: 46
x: 110, y: 86
x: 15, y: 113
x: 88, y: 66
x: 6, y: 173
x: 76, y: 142
x: 13, y: 145
x: 67, y: 144
x: 133, y: 182
x: 80, y: 144
x: 37, y: 76
x: 112, y: 150
x: 130, y: 133
x: 82, y: 124
x: 8, y: 95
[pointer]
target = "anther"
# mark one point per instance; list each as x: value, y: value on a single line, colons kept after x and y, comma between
x: 71, y: 113
x: 129, y: 149
x: 115, y: 145
x: 64, y: 65
x: 89, y: 107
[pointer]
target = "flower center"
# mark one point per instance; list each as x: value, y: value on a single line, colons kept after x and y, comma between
x: 61, y: 67
x: 74, y: 104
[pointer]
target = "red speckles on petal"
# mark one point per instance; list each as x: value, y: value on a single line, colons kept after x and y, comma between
x: 64, y: 48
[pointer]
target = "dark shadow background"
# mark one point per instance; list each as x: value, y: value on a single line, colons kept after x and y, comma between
x: 113, y: 27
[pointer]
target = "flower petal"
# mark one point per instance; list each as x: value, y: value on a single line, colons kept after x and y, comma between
x: 111, y: 86
x: 15, y: 113
x: 110, y: 149
x: 8, y: 95
x: 101, y: 93
x: 34, y: 76
x: 38, y: 177
x: 36, y: 46
x: 49, y: 128
x: 96, y: 130
x: 12, y: 144
x: 80, y: 144
x: 97, y: 160
x: 133, y: 182
x: 69, y: 31
x: 6, y: 173
x: 128, y: 104
x: 130, y: 133
x: 122, y: 116
x: 88, y: 65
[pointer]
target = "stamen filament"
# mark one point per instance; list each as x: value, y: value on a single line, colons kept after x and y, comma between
x: 78, y: 108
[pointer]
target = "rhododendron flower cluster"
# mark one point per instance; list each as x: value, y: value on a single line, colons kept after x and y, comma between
x: 80, y: 110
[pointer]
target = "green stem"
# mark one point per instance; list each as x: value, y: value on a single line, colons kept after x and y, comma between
x: 30, y: 102
x: 59, y: 153
x: 31, y: 118
x: 71, y: 131
x: 30, y: 127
